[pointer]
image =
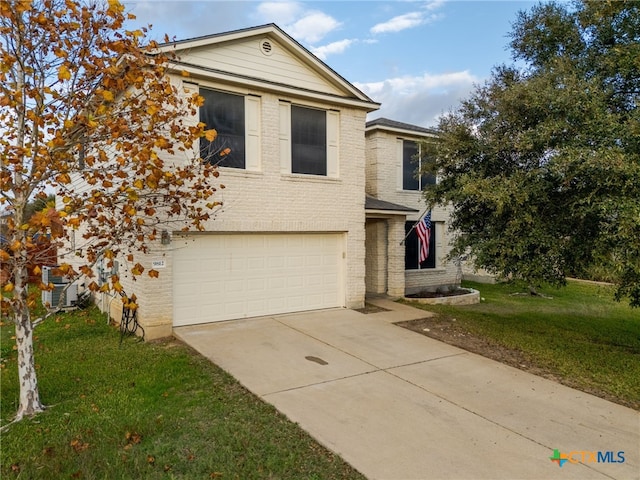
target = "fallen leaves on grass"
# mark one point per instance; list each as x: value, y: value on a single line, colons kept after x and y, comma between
x: 78, y: 445
x: 133, y: 438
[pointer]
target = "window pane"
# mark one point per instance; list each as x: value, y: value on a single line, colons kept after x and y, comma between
x: 225, y: 113
x: 427, y: 179
x: 410, y: 166
x: 308, y: 141
x: 430, y: 262
x: 412, y: 249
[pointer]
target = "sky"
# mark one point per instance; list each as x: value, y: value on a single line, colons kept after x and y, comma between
x: 419, y: 59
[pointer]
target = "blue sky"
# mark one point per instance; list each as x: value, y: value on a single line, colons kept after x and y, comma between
x: 417, y: 58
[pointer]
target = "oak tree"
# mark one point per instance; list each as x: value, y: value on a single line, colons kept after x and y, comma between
x: 88, y: 111
x: 541, y: 164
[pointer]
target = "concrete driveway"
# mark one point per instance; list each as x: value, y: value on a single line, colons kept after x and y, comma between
x: 398, y: 405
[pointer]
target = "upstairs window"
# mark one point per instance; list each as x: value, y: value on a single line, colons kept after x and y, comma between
x: 412, y: 165
x: 225, y: 113
x: 308, y: 141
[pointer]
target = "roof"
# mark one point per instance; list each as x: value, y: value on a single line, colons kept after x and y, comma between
x: 400, y: 127
x: 215, y: 37
x: 295, y: 48
x: 372, y: 203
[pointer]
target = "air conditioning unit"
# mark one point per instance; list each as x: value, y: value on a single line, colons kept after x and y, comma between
x: 51, y: 299
x: 48, y: 276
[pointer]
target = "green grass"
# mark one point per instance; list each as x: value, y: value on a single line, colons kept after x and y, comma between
x: 580, y: 335
x: 145, y: 410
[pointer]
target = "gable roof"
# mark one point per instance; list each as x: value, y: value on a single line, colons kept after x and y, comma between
x: 189, y: 56
x: 399, y: 127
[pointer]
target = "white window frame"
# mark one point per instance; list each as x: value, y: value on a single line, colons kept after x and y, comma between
x: 332, y: 143
x: 253, y: 129
x: 400, y: 164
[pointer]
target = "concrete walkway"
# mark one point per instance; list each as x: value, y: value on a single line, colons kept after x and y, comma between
x: 398, y: 405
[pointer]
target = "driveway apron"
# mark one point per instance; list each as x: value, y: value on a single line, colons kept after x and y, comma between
x: 399, y: 405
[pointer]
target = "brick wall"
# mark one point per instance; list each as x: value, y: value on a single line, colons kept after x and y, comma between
x: 376, y: 258
x: 271, y: 201
x: 268, y: 200
x: 383, y: 183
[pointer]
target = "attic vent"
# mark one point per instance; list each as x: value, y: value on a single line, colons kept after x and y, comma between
x: 266, y: 47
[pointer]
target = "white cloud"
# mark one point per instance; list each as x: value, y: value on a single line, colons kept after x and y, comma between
x: 312, y: 27
x: 434, y: 5
x: 401, y: 22
x: 333, y: 48
x: 419, y: 100
x: 281, y: 13
x: 302, y: 24
x: 410, y: 20
x: 176, y: 17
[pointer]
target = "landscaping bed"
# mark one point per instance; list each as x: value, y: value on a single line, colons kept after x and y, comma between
x: 458, y: 296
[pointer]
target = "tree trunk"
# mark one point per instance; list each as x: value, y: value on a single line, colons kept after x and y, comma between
x: 29, y: 395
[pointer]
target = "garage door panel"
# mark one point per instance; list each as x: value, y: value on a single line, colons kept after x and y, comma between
x: 294, y: 282
x: 316, y: 299
x: 276, y: 283
x: 231, y: 310
x: 276, y: 262
x: 252, y: 241
x: 234, y: 286
x: 276, y: 304
x: 329, y: 260
x: 257, y: 264
x: 295, y: 302
x: 314, y: 261
x: 257, y: 285
x: 222, y: 277
x: 238, y: 263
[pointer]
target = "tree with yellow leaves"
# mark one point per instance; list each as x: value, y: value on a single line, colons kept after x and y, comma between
x: 84, y: 101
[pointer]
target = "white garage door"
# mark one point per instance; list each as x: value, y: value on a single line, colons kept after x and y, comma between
x: 223, y: 277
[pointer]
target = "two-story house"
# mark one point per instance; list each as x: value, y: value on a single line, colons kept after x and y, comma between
x: 290, y: 235
x: 316, y: 202
x: 394, y: 205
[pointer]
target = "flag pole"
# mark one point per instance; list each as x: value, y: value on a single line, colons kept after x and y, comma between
x: 414, y: 225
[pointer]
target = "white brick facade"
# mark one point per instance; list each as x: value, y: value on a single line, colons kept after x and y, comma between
x: 266, y: 199
x: 384, y: 182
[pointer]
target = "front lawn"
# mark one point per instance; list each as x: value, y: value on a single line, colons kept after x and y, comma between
x: 580, y: 336
x: 145, y: 410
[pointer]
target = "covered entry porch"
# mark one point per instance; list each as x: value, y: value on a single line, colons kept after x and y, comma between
x: 385, y: 253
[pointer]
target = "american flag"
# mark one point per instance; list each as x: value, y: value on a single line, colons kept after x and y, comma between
x: 424, y: 234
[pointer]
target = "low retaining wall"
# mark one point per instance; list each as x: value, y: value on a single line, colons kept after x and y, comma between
x: 470, y: 298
